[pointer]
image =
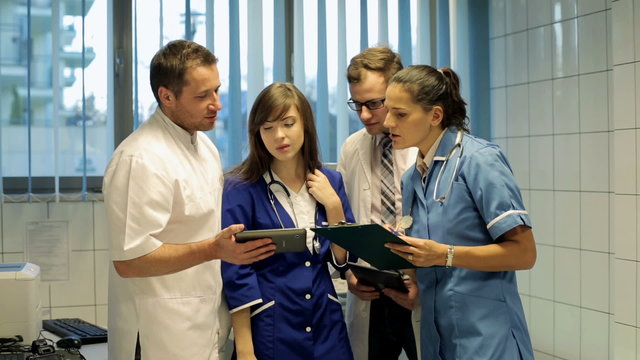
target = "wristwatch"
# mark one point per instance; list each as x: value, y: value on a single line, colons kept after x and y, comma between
x: 450, y: 251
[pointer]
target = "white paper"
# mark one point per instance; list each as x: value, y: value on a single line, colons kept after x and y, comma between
x: 47, y: 245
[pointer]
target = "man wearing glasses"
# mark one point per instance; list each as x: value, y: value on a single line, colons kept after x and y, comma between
x: 379, y: 327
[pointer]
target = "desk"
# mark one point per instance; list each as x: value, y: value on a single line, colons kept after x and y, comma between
x: 90, y: 352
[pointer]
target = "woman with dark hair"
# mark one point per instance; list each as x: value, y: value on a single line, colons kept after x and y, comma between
x: 470, y: 228
x: 286, y: 307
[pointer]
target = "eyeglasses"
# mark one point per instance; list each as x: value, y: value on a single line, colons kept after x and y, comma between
x: 371, y: 104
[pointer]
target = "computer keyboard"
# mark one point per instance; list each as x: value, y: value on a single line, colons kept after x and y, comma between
x: 87, y: 332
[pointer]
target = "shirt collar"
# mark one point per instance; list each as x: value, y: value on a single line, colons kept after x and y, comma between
x: 181, y: 134
x: 423, y: 162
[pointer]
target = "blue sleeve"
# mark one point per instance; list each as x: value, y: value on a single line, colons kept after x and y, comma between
x: 494, y: 189
x: 240, y: 281
x: 335, y: 178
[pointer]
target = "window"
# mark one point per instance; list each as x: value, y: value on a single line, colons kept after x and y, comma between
x: 54, y: 123
x: 63, y: 65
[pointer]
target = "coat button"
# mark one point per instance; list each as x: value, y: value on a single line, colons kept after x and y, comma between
x: 308, y: 329
x: 307, y: 263
x: 308, y: 296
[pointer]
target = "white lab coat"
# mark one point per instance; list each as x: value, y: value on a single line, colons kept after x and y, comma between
x: 164, y: 186
x: 355, y: 166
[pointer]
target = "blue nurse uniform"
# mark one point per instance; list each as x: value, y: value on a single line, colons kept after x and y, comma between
x: 468, y: 314
x: 295, y: 312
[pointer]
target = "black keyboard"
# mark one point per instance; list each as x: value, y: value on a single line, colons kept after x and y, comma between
x: 87, y: 332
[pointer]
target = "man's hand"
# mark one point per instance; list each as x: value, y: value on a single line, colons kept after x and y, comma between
x: 406, y: 300
x: 363, y: 292
x: 226, y: 248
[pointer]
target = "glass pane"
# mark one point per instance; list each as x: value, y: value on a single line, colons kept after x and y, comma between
x: 14, y: 67
x: 85, y: 138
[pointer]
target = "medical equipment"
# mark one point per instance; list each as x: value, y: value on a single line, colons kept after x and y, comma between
x: 271, y: 193
x: 457, y: 145
x: 272, y: 197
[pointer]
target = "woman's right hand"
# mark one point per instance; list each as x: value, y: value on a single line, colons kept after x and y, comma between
x: 420, y: 252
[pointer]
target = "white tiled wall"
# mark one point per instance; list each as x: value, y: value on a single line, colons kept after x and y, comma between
x: 84, y: 295
x: 565, y: 84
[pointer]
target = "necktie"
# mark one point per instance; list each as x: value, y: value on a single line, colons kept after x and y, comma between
x: 387, y: 184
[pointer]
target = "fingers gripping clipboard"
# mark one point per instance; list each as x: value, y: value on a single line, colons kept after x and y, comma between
x: 367, y: 242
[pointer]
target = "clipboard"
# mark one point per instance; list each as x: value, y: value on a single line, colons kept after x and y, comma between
x: 367, y: 242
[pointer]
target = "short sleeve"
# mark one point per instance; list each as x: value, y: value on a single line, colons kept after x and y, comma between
x: 138, y: 204
x: 494, y: 189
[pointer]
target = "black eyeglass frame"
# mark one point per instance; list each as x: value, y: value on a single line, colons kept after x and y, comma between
x: 373, y: 104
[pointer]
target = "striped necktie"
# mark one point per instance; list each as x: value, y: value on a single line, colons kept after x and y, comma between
x: 387, y: 184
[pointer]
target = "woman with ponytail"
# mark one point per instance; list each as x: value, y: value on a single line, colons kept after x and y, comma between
x: 470, y: 228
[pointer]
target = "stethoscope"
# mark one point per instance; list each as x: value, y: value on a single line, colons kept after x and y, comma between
x: 272, y: 199
x: 456, y: 147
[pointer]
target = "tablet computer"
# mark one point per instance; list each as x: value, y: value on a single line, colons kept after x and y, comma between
x: 286, y: 240
x: 379, y: 279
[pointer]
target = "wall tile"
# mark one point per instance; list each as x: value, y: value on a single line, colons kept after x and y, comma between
x: 101, y: 228
x: 563, y: 9
x: 594, y: 335
x: 80, y: 289
x: 541, y: 170
x: 542, y: 274
x: 626, y: 301
x: 516, y: 16
x: 594, y: 105
x: 539, y: 13
x: 625, y: 341
x: 566, y: 170
x: 102, y: 275
x: 591, y: 6
x: 497, y: 18
x: 567, y: 331
x: 623, y: 31
x: 594, y: 221
x: 539, y: 52
x: 102, y: 315
x: 567, y: 276
x: 625, y: 166
x: 517, y: 110
x: 498, y: 76
x: 87, y: 313
x: 542, y: 325
x: 499, y: 112
x: 594, y: 162
x: 80, y: 218
x: 592, y: 40
x: 609, y: 40
x: 625, y: 226
x: 624, y: 96
x: 542, y: 215
x: 565, y: 48
x: 541, y: 108
x: 18, y: 215
x: 518, y: 155
x: 594, y: 276
x: 565, y: 105
x: 516, y: 51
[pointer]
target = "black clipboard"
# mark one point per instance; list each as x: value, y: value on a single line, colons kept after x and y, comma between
x: 286, y: 240
x: 367, y: 242
x: 379, y: 279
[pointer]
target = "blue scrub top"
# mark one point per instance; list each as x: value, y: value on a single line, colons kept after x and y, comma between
x: 295, y: 311
x: 468, y: 314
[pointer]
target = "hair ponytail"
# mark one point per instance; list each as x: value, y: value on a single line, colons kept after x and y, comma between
x: 430, y: 87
